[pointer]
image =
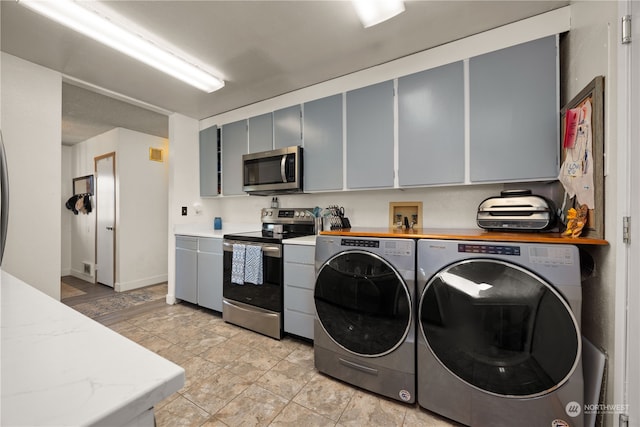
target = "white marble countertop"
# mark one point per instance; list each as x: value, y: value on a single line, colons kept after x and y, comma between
x: 206, y: 230
x: 305, y: 240
x: 60, y: 368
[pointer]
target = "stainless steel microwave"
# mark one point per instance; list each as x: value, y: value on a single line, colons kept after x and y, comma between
x: 273, y: 172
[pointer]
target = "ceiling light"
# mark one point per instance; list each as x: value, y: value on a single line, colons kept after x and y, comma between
x: 373, y: 12
x: 89, y: 23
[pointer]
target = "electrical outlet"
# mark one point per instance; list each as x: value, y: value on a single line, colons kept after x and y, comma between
x: 184, y: 211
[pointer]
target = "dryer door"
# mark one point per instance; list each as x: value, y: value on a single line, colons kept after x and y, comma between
x: 499, y: 328
x: 363, y: 303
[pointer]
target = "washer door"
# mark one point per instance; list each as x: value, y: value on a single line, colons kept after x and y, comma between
x: 499, y: 328
x: 363, y: 303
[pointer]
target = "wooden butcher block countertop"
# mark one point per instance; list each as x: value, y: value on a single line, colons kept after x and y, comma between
x: 464, y: 234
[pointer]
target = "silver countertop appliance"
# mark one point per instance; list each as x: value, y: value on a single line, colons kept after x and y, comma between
x: 516, y: 210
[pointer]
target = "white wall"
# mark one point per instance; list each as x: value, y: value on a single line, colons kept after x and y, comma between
x: 141, y: 205
x: 184, y: 187
x: 66, y: 185
x: 590, y: 50
x: 141, y: 219
x: 31, y: 125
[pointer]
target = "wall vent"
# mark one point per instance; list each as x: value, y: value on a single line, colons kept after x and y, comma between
x: 155, y: 154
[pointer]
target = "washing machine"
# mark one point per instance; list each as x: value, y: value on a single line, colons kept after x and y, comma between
x: 498, y: 334
x: 364, y: 331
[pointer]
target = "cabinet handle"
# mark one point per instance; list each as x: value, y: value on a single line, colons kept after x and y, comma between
x: 110, y: 228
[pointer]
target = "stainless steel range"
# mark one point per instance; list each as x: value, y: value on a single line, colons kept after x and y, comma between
x: 252, y: 289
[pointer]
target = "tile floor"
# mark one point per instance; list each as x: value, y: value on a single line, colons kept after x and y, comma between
x: 235, y: 377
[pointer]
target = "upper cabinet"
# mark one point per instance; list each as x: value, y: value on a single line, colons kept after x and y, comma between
x: 287, y: 127
x: 323, y: 126
x: 431, y: 126
x: 209, y: 167
x: 489, y: 118
x: 261, y: 133
x: 514, y: 113
x: 234, y: 145
x: 370, y: 136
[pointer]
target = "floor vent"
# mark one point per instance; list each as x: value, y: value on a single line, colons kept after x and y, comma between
x: 87, y: 268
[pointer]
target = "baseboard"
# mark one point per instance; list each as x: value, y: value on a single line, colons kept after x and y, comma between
x: 141, y: 283
x: 80, y: 275
x: 65, y: 272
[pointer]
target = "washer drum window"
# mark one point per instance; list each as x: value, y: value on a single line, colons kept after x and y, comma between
x: 499, y: 328
x: 363, y: 303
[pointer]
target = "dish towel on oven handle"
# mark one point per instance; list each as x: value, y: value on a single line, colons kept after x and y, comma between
x: 253, y: 265
x: 237, y: 263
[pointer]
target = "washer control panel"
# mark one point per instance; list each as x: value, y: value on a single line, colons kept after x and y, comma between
x: 489, y: 249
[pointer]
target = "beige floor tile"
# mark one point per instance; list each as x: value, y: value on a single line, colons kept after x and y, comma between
x: 180, y: 412
x: 224, y: 354
x: 197, y: 369
x: 286, y: 379
x: 294, y: 415
x: 176, y: 354
x: 303, y: 356
x: 423, y: 418
x: 253, y: 407
x: 214, y: 392
x: 371, y: 410
x: 325, y: 396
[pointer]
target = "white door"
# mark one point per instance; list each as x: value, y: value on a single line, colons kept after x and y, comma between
x: 105, y: 218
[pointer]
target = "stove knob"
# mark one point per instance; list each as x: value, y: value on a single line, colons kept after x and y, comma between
x: 297, y: 214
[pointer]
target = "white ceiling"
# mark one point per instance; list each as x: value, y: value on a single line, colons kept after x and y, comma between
x: 260, y: 48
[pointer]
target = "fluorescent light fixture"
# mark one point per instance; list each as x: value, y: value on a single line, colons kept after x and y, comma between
x: 373, y: 12
x: 91, y: 24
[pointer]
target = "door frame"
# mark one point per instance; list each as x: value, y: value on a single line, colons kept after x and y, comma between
x: 626, y: 384
x: 115, y: 210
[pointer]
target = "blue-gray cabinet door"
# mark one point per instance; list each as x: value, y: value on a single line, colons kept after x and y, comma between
x: 261, y: 133
x: 514, y: 113
x: 431, y: 126
x: 209, y: 162
x: 234, y: 145
x: 287, y: 127
x: 370, y: 136
x: 210, y: 274
x: 323, y: 139
x: 186, y: 269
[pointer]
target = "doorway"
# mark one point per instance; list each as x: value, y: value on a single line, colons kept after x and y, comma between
x: 105, y: 169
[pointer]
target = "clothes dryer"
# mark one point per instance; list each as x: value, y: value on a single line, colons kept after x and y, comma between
x: 498, y: 340
x: 364, y: 332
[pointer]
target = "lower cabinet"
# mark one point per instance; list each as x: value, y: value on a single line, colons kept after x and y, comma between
x: 299, y: 281
x: 199, y: 271
x: 187, y: 268
x: 210, y: 273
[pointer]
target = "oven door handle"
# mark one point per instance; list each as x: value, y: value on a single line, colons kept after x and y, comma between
x: 269, y: 250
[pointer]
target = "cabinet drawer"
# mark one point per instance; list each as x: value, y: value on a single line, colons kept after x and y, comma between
x: 300, y: 324
x: 301, y: 275
x: 300, y: 254
x: 210, y: 245
x: 299, y: 299
x: 187, y: 242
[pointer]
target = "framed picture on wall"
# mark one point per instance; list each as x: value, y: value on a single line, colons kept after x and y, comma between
x: 83, y: 185
x: 582, y: 155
